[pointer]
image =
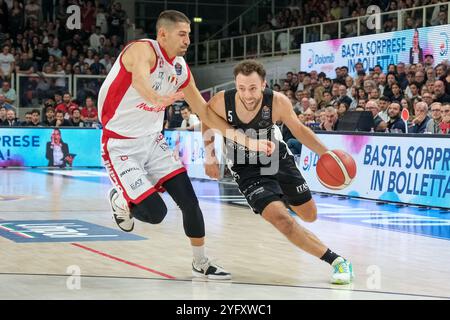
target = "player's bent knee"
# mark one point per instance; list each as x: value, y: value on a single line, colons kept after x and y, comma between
x: 284, y: 223
x: 278, y: 218
x: 307, y: 212
x: 152, y: 209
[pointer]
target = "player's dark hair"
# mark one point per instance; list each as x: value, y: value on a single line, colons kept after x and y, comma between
x: 171, y: 17
x: 247, y: 67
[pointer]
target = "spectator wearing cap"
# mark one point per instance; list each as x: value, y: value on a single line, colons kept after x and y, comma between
x: 439, y: 92
x: 429, y: 60
x: 420, y: 121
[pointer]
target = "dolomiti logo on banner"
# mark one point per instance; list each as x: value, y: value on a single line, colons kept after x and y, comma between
x: 376, y: 49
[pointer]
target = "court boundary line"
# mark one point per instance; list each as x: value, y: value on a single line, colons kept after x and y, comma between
x: 167, y: 276
x: 231, y: 282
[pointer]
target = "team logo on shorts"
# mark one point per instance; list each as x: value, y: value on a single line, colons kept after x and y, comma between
x: 302, y: 188
x: 178, y: 68
x: 265, y: 112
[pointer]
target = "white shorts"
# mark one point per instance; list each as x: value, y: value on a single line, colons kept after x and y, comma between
x: 138, y: 167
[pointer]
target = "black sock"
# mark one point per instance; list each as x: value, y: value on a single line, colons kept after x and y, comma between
x: 329, y: 256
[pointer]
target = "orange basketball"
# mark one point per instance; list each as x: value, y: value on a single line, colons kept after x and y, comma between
x: 336, y: 169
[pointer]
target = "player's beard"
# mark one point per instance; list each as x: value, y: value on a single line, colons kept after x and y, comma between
x: 251, y: 107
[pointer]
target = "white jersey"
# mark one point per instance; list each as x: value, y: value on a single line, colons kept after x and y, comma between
x: 124, y: 113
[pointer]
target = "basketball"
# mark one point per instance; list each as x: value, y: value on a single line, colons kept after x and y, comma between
x: 336, y: 169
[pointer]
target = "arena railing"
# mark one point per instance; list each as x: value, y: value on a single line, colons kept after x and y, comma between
x: 86, y: 85
x: 288, y: 41
x: 33, y: 89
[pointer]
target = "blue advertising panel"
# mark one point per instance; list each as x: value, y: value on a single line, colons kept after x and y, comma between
x: 407, y: 46
x: 53, y: 147
x: 31, y: 231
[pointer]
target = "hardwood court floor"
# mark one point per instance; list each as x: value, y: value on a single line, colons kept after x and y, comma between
x: 57, y: 224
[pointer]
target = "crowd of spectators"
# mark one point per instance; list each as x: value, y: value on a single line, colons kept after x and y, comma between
x: 41, y: 48
x: 300, y: 13
x: 423, y: 89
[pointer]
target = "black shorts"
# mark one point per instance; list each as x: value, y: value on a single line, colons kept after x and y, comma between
x: 287, y: 184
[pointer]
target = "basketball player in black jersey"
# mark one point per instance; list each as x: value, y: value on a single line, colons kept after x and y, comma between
x: 267, y: 182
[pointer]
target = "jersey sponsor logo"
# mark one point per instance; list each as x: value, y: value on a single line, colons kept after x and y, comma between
x: 264, y: 123
x: 178, y: 68
x: 146, y: 107
x: 128, y: 171
x: 265, y: 113
x: 138, y: 183
x: 302, y: 188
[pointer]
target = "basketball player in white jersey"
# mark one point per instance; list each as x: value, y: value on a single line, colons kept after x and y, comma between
x: 268, y: 183
x: 148, y: 76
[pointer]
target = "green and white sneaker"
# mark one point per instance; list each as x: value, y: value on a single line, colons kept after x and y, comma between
x: 342, y: 271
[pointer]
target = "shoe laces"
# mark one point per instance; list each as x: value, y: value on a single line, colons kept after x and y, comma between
x: 342, y: 267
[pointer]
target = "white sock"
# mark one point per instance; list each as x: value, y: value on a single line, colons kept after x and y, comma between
x: 199, y: 254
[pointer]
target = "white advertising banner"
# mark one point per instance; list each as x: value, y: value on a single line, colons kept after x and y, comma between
x: 413, y: 170
x: 407, y: 46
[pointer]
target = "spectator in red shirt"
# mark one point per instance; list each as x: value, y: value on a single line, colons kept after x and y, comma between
x: 67, y: 106
x: 89, y: 112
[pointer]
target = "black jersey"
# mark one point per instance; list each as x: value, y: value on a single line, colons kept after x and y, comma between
x: 260, y: 127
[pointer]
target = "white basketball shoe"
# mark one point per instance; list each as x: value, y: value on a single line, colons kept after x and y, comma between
x: 121, y: 211
x: 209, y: 270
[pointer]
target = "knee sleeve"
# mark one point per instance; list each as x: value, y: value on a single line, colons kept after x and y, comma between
x: 180, y: 189
x: 151, y: 210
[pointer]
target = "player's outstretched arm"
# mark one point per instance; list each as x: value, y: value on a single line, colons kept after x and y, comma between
x: 139, y: 59
x: 284, y: 112
x: 213, y: 120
